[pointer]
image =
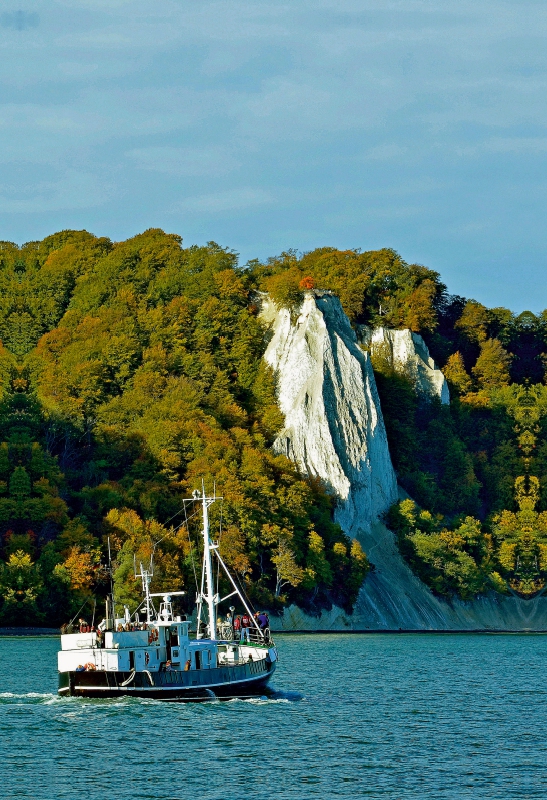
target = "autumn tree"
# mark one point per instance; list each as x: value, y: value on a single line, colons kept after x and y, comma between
x: 456, y: 374
x: 474, y: 321
x: 492, y: 367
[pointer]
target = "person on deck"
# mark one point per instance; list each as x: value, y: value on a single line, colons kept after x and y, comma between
x: 245, y: 625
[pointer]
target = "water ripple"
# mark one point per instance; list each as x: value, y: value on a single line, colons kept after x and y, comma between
x: 398, y: 717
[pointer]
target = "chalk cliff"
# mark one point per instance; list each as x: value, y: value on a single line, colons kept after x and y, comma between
x: 333, y: 423
x: 334, y: 430
x: 408, y: 352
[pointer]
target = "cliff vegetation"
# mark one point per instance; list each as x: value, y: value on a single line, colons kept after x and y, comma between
x: 476, y: 469
x: 132, y: 371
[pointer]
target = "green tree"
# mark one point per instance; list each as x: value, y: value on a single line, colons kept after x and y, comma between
x: 492, y: 367
x: 456, y: 374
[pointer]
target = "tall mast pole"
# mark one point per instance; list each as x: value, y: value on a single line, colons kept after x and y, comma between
x: 210, y: 599
x: 146, y: 576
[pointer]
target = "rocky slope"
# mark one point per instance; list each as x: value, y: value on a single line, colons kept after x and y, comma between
x: 333, y: 423
x: 334, y: 430
x: 407, y: 351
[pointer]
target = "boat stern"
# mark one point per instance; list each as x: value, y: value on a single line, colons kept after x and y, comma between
x: 65, y: 684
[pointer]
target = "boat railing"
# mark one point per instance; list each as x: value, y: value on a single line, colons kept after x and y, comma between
x: 237, y: 662
x: 247, y: 635
x: 254, y: 636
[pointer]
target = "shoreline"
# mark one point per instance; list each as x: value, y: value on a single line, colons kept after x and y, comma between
x: 478, y: 631
x: 24, y: 631
x: 16, y: 632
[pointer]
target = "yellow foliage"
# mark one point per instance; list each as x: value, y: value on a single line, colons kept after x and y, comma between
x: 451, y: 539
x: 474, y: 321
x: 358, y: 554
x: 456, y: 374
x: 492, y: 367
x: 20, y: 560
x: 79, y: 568
x: 507, y: 555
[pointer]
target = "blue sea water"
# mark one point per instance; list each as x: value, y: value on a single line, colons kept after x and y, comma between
x: 372, y: 716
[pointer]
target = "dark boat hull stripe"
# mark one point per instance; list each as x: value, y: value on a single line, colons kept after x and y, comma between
x: 181, y: 684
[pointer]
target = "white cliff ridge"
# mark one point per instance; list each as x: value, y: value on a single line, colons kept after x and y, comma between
x: 408, y: 352
x: 334, y: 430
x: 327, y: 393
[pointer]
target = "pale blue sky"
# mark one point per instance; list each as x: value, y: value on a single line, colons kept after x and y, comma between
x: 268, y: 124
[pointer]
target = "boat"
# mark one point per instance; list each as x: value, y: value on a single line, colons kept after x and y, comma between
x: 160, y: 657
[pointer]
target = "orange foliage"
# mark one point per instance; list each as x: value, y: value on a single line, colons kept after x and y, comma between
x: 307, y: 283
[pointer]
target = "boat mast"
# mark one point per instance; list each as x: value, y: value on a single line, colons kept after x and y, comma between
x: 146, y: 576
x: 210, y: 597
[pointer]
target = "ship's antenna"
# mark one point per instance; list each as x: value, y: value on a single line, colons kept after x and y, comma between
x: 146, y: 576
x: 210, y: 597
x: 111, y: 590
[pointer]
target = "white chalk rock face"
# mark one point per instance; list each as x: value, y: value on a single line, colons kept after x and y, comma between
x: 333, y: 424
x: 407, y: 351
x: 334, y: 430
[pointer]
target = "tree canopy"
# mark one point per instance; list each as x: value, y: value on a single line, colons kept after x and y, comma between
x: 132, y: 371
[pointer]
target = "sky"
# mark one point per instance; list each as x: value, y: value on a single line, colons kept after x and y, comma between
x: 266, y: 125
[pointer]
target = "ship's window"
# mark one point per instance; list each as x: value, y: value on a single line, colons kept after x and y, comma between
x: 131, y: 659
x: 198, y: 660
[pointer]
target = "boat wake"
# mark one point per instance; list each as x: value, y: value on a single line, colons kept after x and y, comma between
x: 13, y: 698
x: 285, y: 696
x: 75, y: 706
x: 271, y: 696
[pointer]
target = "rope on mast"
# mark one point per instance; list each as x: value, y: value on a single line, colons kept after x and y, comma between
x: 242, y: 598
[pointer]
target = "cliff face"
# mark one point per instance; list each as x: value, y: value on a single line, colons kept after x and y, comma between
x: 333, y: 423
x: 408, y: 352
x: 334, y: 430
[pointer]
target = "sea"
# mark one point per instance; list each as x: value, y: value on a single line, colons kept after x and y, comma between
x: 397, y: 716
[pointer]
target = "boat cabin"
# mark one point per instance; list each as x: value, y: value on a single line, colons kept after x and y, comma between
x: 125, y: 650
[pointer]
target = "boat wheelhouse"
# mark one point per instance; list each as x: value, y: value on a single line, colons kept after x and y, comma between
x: 159, y: 657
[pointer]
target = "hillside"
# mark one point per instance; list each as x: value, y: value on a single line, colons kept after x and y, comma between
x: 131, y: 371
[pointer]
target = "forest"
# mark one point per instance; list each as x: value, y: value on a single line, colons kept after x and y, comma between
x: 475, y: 471
x: 132, y: 371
